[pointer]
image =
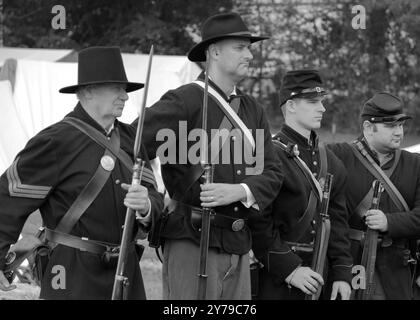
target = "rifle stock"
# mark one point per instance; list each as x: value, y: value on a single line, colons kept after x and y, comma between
x: 369, y: 249
x: 121, y: 281
x: 322, y: 235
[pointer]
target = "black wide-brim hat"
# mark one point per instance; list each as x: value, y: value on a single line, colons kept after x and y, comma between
x: 219, y: 27
x: 101, y: 65
x: 304, y: 84
x: 384, y: 107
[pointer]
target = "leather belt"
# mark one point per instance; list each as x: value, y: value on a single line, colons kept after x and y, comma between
x: 300, y: 247
x: 216, y: 219
x: 219, y: 220
x: 78, y: 243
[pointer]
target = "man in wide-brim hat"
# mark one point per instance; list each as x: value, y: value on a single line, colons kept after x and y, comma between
x: 377, y: 151
x: 64, y: 171
x: 235, y: 193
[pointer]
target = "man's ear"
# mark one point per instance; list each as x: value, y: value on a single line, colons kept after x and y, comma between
x: 213, y: 51
x: 89, y: 92
x: 290, y: 106
x: 367, y: 127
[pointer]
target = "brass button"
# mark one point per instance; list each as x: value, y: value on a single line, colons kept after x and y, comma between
x: 117, y: 181
x: 313, y: 232
x: 313, y: 222
x: 238, y: 172
x: 315, y: 163
x: 313, y: 153
x: 236, y: 209
x: 109, y: 138
x: 315, y: 174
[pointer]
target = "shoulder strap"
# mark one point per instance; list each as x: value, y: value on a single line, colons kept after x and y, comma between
x: 364, y: 205
x: 313, y: 182
x: 90, y: 191
x: 324, y: 161
x: 99, y: 138
x: 229, y: 113
x: 370, y: 164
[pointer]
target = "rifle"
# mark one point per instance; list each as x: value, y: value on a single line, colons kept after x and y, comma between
x: 207, y: 212
x: 322, y: 235
x: 121, y: 283
x: 369, y: 249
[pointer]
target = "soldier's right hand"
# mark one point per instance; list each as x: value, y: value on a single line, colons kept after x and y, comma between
x: 4, y: 284
x: 305, y: 279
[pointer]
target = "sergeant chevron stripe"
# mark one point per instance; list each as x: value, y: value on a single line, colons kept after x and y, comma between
x: 149, y: 177
x: 18, y: 189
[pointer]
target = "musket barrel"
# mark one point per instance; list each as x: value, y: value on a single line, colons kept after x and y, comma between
x: 121, y: 282
x: 140, y: 125
x: 206, y: 213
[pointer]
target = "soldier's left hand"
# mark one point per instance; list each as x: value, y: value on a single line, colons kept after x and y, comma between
x: 376, y: 220
x: 221, y: 194
x: 137, y: 197
x: 342, y: 288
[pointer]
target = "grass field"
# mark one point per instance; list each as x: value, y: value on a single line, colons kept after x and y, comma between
x: 150, y: 265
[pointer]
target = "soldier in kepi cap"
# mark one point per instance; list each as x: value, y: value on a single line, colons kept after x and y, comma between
x: 284, y: 235
x: 77, y: 172
x: 376, y: 155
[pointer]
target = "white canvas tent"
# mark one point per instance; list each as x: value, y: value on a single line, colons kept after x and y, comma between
x: 36, y: 103
x: 32, y: 54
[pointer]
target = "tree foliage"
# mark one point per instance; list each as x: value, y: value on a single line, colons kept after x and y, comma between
x: 131, y: 24
x: 355, y: 63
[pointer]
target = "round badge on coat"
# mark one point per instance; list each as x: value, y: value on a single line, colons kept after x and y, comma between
x: 237, y: 225
x: 107, y: 163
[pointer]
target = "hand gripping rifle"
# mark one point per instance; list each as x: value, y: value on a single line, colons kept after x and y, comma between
x: 322, y: 235
x: 207, y: 212
x: 121, y: 283
x: 369, y: 249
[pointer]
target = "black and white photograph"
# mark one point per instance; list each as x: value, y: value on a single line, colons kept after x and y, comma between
x: 210, y: 155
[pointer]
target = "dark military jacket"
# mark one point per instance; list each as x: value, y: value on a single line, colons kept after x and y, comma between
x: 391, y: 262
x: 281, y: 218
x: 184, y: 106
x: 48, y: 174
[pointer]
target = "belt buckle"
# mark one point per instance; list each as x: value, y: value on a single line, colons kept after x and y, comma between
x: 238, y: 224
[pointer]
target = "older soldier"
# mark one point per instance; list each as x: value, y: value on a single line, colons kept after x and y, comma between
x: 77, y: 172
x: 376, y: 155
x: 284, y: 236
x: 237, y: 191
